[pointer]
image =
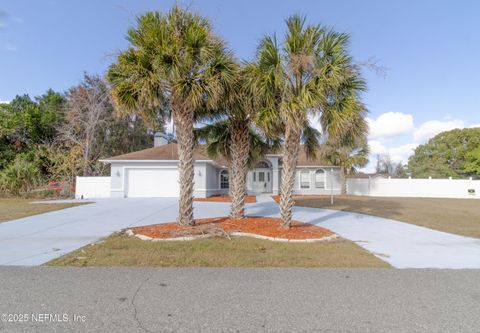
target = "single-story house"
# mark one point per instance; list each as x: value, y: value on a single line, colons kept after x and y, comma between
x: 154, y: 172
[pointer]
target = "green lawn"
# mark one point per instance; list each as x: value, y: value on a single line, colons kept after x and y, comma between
x: 456, y: 216
x: 121, y: 250
x: 12, y: 208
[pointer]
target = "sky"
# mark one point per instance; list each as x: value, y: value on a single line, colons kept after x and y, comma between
x: 429, y: 52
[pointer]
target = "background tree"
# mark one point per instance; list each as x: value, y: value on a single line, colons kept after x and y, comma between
x: 35, y: 150
x: 93, y: 126
x: 472, y: 163
x: 174, y: 58
x: 387, y: 166
x: 25, y: 123
x: 299, y: 80
x: 448, y: 154
x: 88, y: 110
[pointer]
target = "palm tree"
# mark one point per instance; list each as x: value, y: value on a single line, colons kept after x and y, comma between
x: 235, y: 138
x: 349, y: 148
x: 174, y: 58
x: 349, y: 151
x: 298, y: 81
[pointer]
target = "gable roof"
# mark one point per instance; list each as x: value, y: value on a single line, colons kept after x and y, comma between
x: 303, y: 160
x: 169, y: 152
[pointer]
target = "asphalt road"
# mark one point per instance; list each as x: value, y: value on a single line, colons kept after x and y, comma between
x: 239, y: 300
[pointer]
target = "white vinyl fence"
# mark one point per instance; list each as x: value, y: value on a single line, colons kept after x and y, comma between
x: 92, y: 187
x: 428, y: 188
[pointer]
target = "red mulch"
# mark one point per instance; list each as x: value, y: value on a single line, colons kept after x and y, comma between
x: 264, y: 226
x: 226, y: 198
x: 276, y: 198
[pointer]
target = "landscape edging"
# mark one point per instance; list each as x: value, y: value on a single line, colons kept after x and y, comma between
x: 129, y: 232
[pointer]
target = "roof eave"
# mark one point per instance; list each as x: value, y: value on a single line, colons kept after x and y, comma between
x: 157, y: 161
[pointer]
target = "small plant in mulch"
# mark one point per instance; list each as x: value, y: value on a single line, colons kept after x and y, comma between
x: 265, y: 227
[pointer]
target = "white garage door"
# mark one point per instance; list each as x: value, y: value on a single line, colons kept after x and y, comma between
x: 151, y: 183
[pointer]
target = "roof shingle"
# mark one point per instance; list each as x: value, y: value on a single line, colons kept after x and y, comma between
x: 169, y: 152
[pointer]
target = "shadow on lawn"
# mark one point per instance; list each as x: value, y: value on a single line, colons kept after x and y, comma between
x: 377, y: 207
x: 270, y: 209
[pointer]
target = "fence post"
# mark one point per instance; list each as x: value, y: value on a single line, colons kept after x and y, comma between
x: 369, y: 179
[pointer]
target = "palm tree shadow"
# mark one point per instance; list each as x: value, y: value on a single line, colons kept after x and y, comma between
x: 379, y: 207
x: 337, y: 214
x: 263, y: 209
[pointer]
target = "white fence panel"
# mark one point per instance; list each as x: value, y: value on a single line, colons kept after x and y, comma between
x: 92, y: 187
x: 428, y: 188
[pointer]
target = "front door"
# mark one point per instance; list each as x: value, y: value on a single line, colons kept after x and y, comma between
x: 262, y: 181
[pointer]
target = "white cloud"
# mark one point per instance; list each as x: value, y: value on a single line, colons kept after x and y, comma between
x: 390, y: 124
x: 387, y: 126
x: 402, y: 153
x: 4, y: 102
x: 397, y: 154
x: 10, y: 47
x: 376, y: 147
x: 431, y: 128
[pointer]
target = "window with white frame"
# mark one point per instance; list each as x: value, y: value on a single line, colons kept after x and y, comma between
x: 305, y: 179
x: 320, y: 178
x: 224, y: 183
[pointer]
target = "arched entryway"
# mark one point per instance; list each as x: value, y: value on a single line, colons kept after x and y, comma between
x: 262, y: 177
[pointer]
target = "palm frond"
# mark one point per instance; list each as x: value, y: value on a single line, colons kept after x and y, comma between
x: 311, y: 141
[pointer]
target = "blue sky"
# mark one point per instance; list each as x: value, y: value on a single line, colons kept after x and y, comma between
x: 430, y: 50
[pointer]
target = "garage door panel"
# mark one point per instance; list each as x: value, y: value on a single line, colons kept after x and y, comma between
x: 150, y: 183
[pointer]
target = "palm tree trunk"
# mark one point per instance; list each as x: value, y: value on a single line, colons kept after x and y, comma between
x: 343, y: 174
x: 290, y: 157
x: 185, y: 139
x: 239, y: 150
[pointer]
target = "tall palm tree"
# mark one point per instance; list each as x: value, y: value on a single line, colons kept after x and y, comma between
x: 349, y: 148
x: 349, y: 151
x: 174, y: 58
x: 235, y: 138
x: 296, y: 82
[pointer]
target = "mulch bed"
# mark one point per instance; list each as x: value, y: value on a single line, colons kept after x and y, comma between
x: 276, y: 198
x: 226, y: 198
x: 223, y: 226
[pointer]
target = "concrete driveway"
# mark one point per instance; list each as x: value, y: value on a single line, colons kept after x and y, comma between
x: 400, y: 244
x: 37, y: 239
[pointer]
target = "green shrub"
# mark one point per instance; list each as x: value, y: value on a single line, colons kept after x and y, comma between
x: 20, y: 176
